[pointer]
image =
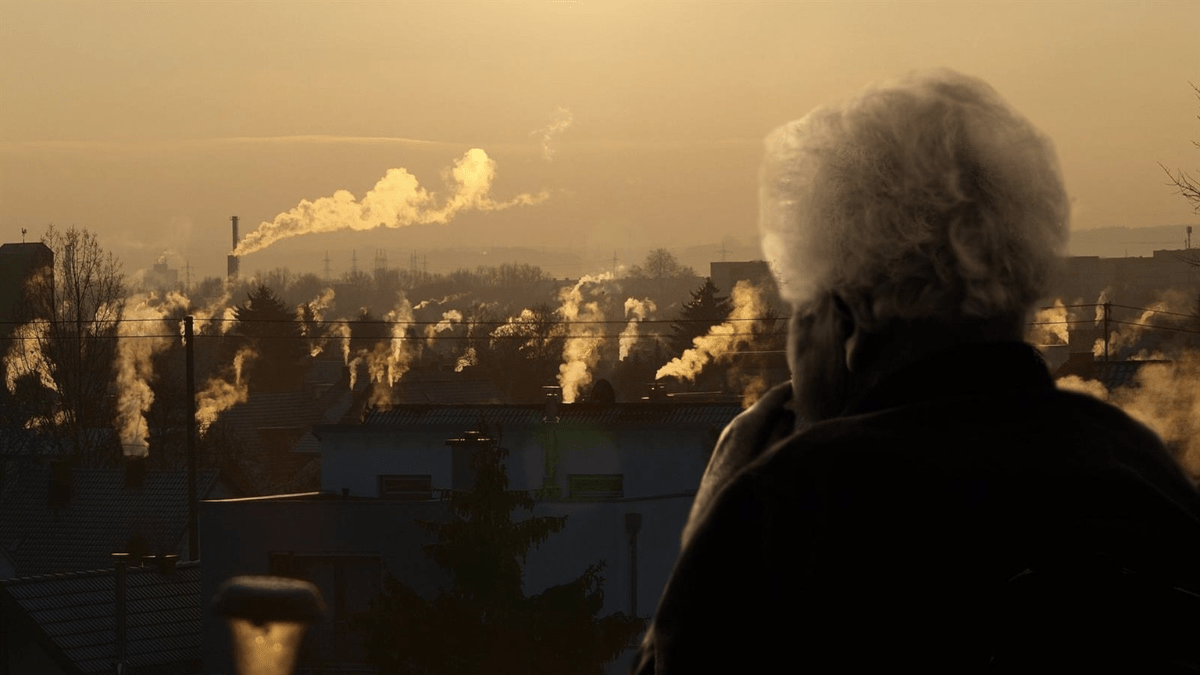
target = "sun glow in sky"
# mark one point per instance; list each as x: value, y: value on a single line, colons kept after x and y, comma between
x: 151, y: 123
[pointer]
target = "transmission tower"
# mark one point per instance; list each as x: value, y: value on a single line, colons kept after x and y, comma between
x: 380, y: 262
x: 353, y: 263
x: 327, y: 273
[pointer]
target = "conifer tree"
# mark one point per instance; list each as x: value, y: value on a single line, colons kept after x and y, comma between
x: 705, y: 310
x: 484, y: 622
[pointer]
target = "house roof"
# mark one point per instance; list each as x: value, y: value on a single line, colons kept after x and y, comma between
x: 465, y: 417
x: 299, y: 410
x: 100, y: 518
x: 75, y: 612
x: 1111, y: 374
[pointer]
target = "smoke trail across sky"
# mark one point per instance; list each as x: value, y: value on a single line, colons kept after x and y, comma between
x: 397, y: 200
x: 562, y: 120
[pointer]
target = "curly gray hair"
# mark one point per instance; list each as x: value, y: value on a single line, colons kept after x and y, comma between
x: 928, y: 197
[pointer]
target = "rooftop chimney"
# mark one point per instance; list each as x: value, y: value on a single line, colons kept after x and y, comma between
x: 60, y: 484
x: 552, y: 395
x: 135, y: 472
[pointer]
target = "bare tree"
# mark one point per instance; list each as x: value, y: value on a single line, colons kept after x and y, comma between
x: 661, y: 264
x: 1189, y: 187
x: 70, y: 344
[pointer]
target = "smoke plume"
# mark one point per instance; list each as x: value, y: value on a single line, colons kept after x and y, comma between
x: 1128, y: 334
x: 637, y: 311
x: 387, y: 362
x: 24, y: 356
x: 561, y: 121
x: 448, y: 320
x: 1051, y: 326
x: 317, y: 306
x: 397, y: 200
x: 1164, y: 397
x: 141, y: 338
x: 748, y: 304
x: 220, y: 393
x: 585, y: 333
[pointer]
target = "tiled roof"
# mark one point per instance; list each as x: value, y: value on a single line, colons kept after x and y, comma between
x: 298, y: 410
x: 76, y: 612
x: 467, y: 416
x: 1111, y: 374
x: 99, y: 519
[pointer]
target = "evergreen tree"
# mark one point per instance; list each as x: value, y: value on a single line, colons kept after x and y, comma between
x: 266, y: 323
x: 705, y: 310
x: 484, y: 622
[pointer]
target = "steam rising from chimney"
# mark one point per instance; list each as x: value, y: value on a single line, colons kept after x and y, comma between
x: 580, y: 348
x: 448, y: 320
x: 636, y: 310
x: 748, y: 305
x: 1125, y: 336
x: 1051, y: 326
x: 397, y: 200
x: 24, y: 356
x: 388, y: 362
x: 140, y: 341
x: 1164, y: 397
x: 220, y: 394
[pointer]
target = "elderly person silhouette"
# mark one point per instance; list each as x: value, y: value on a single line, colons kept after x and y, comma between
x: 922, y: 495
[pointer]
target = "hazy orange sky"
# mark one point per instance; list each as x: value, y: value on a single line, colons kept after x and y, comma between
x: 151, y: 123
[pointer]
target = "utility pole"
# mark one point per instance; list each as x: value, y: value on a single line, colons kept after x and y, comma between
x: 193, y: 520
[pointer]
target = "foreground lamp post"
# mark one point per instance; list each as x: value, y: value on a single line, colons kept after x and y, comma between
x: 267, y: 619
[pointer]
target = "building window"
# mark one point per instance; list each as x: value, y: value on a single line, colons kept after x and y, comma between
x: 595, y: 486
x: 406, y: 487
x: 348, y: 583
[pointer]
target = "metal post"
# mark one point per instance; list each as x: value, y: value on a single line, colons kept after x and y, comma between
x: 1106, y: 311
x: 122, y: 561
x: 193, y: 532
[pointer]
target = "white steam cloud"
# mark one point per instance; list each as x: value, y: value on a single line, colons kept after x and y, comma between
x: 397, y: 200
x: 637, y: 311
x: 585, y: 334
x: 748, y: 307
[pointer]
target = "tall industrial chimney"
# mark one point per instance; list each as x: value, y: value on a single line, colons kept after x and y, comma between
x: 233, y: 259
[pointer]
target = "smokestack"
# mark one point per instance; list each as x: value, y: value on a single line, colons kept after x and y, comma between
x: 233, y: 259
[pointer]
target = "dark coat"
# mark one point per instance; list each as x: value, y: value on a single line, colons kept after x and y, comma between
x: 903, y: 533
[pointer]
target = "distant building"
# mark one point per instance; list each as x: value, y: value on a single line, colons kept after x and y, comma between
x: 624, y: 473
x: 725, y: 276
x: 1131, y: 281
x: 19, y: 264
x: 160, y: 278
